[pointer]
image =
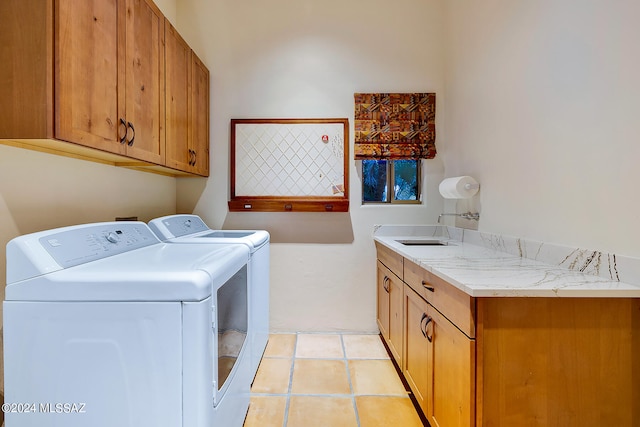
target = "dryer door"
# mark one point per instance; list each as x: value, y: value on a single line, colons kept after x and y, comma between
x: 231, y: 311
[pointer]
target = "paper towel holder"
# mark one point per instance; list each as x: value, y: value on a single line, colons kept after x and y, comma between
x: 460, y: 187
x: 471, y: 186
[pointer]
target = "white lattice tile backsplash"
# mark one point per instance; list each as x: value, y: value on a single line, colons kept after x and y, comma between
x: 289, y: 159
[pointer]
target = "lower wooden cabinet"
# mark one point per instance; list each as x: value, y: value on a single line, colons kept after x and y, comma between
x: 558, y: 362
x: 510, y: 361
x: 439, y: 364
x: 390, y: 312
x: 418, y: 351
x: 453, y: 364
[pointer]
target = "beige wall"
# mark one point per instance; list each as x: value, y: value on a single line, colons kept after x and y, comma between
x: 542, y: 108
x: 168, y: 8
x: 290, y: 58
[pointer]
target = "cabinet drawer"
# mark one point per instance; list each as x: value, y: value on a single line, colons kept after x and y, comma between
x: 391, y: 259
x: 456, y: 305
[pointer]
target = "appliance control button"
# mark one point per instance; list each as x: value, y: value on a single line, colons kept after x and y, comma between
x: 112, y: 237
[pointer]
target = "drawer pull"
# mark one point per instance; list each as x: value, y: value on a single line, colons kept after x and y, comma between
x: 427, y: 286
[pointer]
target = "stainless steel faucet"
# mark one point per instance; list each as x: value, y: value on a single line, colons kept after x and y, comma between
x: 466, y: 215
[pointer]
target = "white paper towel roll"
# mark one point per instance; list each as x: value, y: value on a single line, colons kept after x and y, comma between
x: 460, y: 187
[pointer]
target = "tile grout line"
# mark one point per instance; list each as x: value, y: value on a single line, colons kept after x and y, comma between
x: 353, y: 393
x: 288, y: 404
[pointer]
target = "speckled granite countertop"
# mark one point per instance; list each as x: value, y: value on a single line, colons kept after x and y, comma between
x: 482, y: 271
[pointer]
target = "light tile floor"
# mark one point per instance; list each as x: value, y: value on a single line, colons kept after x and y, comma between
x: 328, y: 380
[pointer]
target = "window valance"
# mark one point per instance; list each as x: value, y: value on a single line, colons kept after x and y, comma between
x: 395, y: 126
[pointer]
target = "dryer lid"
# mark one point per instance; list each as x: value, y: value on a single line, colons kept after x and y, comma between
x: 192, y: 229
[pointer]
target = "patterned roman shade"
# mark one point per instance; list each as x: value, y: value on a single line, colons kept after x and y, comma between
x: 395, y: 126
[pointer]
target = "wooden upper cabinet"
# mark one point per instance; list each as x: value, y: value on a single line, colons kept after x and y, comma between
x: 144, y: 81
x: 26, y: 86
x: 178, y: 72
x: 199, y: 123
x: 87, y: 79
x: 187, y: 106
x: 88, y: 105
x: 109, y: 76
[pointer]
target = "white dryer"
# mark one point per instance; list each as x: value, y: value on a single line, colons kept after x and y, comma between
x: 104, y: 325
x: 192, y: 229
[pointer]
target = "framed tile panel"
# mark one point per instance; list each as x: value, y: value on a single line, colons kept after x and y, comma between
x: 282, y: 165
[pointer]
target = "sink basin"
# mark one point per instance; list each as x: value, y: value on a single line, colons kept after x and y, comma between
x: 423, y: 242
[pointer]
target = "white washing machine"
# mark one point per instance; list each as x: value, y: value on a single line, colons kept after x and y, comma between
x: 192, y: 229
x: 104, y: 325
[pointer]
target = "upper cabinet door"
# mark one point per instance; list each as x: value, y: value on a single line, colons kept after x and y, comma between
x: 199, y: 116
x: 187, y: 106
x: 178, y: 87
x: 88, y: 105
x: 144, y: 76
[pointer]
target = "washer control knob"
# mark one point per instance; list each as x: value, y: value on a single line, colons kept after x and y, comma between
x: 187, y: 223
x: 112, y: 237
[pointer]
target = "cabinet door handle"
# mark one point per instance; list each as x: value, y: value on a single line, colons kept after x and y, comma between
x: 426, y: 325
x: 427, y: 286
x: 385, y: 283
x: 426, y: 334
x: 422, y: 328
x: 123, y: 138
x: 195, y: 157
x: 133, y: 137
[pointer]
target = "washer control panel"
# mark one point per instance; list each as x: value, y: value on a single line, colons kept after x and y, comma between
x: 182, y: 225
x: 84, y: 244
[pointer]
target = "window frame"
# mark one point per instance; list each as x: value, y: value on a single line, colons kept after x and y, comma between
x: 390, y: 165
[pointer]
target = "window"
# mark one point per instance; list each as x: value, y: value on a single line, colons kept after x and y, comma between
x: 402, y: 176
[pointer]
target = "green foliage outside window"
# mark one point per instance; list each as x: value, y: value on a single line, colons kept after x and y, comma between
x: 378, y: 176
